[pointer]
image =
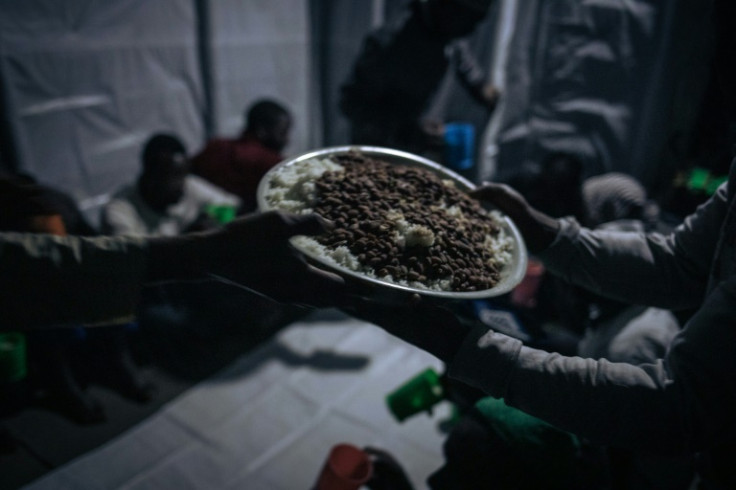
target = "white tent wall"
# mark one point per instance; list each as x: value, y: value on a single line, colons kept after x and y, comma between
x: 261, y: 48
x: 338, y: 28
x: 85, y: 83
x: 608, y: 80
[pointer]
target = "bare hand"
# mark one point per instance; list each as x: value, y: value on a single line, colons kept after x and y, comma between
x: 538, y: 229
x: 255, y: 252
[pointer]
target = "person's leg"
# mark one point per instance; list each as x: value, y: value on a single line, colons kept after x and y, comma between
x: 109, y: 353
x: 52, y: 354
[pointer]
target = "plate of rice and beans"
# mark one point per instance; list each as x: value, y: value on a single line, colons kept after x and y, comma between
x: 402, y: 222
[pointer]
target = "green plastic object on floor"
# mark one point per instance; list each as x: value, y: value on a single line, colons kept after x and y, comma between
x: 222, y: 213
x: 13, y: 365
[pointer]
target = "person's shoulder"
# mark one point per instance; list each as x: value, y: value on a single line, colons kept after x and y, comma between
x: 124, y: 205
x: 252, y: 150
x: 214, y: 146
x: 122, y: 213
x: 125, y: 195
x: 203, y: 190
x: 220, y: 141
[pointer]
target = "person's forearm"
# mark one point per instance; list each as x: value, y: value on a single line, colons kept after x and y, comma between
x: 608, y: 403
x: 656, y: 270
x: 178, y: 258
x: 632, y: 267
x: 682, y: 403
x: 49, y: 280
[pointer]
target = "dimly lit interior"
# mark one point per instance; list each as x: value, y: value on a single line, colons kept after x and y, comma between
x: 156, y: 120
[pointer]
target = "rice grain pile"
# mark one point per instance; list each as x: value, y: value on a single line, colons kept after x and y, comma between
x: 397, y: 223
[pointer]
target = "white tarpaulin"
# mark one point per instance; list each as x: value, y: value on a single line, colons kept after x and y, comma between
x: 614, y: 82
x: 85, y: 84
x: 268, y: 421
x: 261, y: 48
x: 88, y: 82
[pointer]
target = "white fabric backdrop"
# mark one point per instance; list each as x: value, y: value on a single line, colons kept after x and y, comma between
x: 84, y: 83
x: 87, y: 82
x: 261, y: 48
x: 601, y: 79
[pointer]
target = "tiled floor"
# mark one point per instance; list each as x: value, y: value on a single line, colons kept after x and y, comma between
x: 172, y: 360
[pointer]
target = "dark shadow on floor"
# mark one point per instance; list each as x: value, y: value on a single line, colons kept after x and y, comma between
x: 173, y: 351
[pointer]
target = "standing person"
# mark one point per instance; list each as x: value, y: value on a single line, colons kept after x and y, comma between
x: 165, y: 199
x: 680, y: 405
x: 400, y: 69
x: 237, y: 165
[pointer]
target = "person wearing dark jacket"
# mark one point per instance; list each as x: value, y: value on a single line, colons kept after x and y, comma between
x: 400, y: 69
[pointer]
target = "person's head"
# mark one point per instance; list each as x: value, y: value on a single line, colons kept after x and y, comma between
x: 270, y: 122
x: 613, y: 196
x: 558, y: 190
x: 165, y: 167
x: 452, y: 18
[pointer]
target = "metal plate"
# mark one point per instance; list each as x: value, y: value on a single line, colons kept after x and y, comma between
x: 511, y: 275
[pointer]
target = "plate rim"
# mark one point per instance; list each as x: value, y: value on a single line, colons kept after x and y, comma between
x: 511, y: 280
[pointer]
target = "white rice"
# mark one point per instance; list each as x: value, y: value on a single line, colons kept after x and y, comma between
x: 291, y: 188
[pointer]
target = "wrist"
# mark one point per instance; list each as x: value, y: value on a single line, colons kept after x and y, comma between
x: 177, y: 258
x: 544, y: 232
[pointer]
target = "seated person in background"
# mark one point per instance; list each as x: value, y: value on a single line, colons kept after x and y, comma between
x: 611, y: 201
x: 237, y: 165
x: 20, y: 211
x: 618, y: 197
x: 558, y: 188
x: 166, y: 199
x: 58, y: 357
x: 400, y: 69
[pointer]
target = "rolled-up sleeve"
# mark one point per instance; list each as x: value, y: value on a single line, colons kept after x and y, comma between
x: 668, y: 271
x: 682, y: 403
x: 50, y: 280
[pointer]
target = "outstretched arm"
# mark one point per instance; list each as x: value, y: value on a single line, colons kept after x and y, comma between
x: 622, y: 265
x: 682, y: 403
x: 49, y: 280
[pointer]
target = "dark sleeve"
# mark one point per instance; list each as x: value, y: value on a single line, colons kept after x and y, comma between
x: 682, y: 403
x: 467, y: 69
x: 50, y: 280
x: 399, y: 68
x: 668, y: 271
